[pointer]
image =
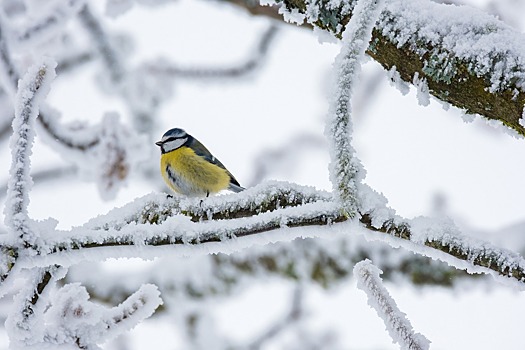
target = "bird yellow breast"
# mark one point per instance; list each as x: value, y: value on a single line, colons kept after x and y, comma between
x: 192, y: 175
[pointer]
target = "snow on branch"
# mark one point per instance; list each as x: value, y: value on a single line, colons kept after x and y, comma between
x: 115, y: 8
x: 118, y: 151
x: 157, y: 208
x: 110, y: 56
x: 31, y: 91
x: 73, y: 319
x: 469, y: 59
x: 141, y: 92
x: 293, y: 317
x: 103, y: 151
x: 256, y: 59
x: 49, y: 316
x: 326, y: 261
x: 47, y: 24
x: 23, y: 322
x: 179, y: 230
x: 345, y: 169
x: 48, y: 119
x: 156, y: 225
x: 8, y: 70
x: 397, y: 324
x: 108, y: 161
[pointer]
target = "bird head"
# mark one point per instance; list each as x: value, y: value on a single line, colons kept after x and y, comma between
x: 172, y: 139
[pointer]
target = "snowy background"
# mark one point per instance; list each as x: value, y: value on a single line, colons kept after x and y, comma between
x: 270, y: 125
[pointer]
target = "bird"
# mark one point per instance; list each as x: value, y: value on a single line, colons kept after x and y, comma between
x: 188, y: 168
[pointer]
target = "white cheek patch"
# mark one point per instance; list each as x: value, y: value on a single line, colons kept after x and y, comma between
x: 173, y: 145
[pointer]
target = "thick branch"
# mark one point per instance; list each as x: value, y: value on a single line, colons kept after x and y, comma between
x: 326, y: 262
x: 158, y: 221
x: 486, y: 79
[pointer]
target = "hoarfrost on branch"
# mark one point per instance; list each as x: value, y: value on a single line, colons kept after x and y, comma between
x: 50, y: 312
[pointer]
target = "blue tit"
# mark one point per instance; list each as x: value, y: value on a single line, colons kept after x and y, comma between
x: 190, y: 169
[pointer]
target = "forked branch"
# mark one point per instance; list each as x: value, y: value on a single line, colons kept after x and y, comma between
x: 469, y: 59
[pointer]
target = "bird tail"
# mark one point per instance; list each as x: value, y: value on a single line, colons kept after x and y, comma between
x: 235, y: 188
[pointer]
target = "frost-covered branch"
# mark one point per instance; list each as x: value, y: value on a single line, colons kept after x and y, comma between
x: 69, y: 63
x: 24, y: 318
x: 47, y: 118
x: 141, y: 228
x: 140, y: 91
x: 180, y: 230
x: 66, y: 316
x: 254, y: 61
x: 397, y: 324
x: 293, y: 316
x: 109, y: 55
x: 6, y: 114
x: 325, y: 262
x: 52, y: 174
x: 345, y: 169
x: 31, y: 91
x: 284, y: 156
x: 468, y: 59
x: 48, y: 24
x: 40, y: 317
x: 103, y: 151
x: 73, y: 319
x: 8, y: 71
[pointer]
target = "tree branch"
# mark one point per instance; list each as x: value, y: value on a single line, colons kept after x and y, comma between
x: 482, y: 72
x: 47, y: 119
x: 292, y: 317
x: 26, y: 315
x: 155, y: 221
x: 397, y: 324
x: 239, y: 70
x: 99, y: 37
x: 345, y: 169
x: 32, y: 88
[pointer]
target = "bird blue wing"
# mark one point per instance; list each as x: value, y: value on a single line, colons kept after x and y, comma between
x: 203, y: 152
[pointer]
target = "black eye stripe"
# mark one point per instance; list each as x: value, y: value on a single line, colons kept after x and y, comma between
x: 172, y: 139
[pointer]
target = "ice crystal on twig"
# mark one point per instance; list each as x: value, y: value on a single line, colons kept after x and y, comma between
x: 31, y: 91
x: 397, y: 324
x: 345, y: 169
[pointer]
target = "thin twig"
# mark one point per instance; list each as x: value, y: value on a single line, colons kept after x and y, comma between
x: 397, y: 324
x: 292, y: 317
x: 99, y: 37
x: 32, y: 88
x: 237, y: 71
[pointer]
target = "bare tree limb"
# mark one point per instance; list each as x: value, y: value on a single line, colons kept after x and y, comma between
x: 58, y: 173
x: 236, y: 71
x: 293, y: 316
x: 99, y: 37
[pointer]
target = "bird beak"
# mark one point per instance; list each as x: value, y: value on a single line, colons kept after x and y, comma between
x: 158, y: 143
